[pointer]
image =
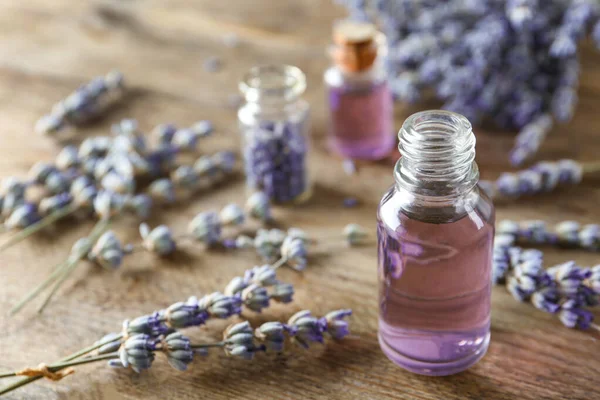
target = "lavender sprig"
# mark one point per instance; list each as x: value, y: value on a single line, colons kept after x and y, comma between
x: 566, y: 234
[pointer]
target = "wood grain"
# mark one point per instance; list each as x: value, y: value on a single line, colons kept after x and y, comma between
x: 47, y: 48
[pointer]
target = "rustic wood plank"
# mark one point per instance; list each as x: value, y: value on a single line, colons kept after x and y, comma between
x: 48, y: 48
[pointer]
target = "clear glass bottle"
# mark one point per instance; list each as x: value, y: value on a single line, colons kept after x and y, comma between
x: 435, y: 235
x: 274, y: 123
x: 358, y: 94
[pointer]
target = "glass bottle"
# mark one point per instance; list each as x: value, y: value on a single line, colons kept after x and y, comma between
x: 274, y: 123
x: 435, y: 235
x: 359, y: 98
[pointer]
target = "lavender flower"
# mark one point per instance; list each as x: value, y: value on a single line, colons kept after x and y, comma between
x: 239, y: 339
x: 271, y: 335
x: 268, y: 243
x: 569, y: 277
x: 263, y: 276
x: 282, y: 293
x: 162, y: 190
x: 158, y: 240
x: 594, y: 279
x: 572, y: 315
x: 151, y: 325
x: 68, y: 158
x: 308, y: 329
x: 108, y: 251
x: 140, y: 205
x: 589, y: 237
x: 244, y: 242
x: 22, y: 217
x: 206, y: 227
x: 255, y: 297
x: 178, y: 350
x: 186, y: 314
x: 258, y: 206
x: 337, y: 327
x: 232, y: 214
x: 566, y: 234
x: 108, y: 204
x: 185, y: 177
x: 354, y: 234
x: 293, y: 251
x: 546, y: 299
x: 49, y: 205
x: 138, y: 352
x: 220, y: 306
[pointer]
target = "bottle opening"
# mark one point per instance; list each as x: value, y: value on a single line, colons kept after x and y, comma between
x: 273, y: 83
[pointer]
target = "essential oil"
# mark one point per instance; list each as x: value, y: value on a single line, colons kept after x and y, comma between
x: 359, y: 98
x: 435, y: 237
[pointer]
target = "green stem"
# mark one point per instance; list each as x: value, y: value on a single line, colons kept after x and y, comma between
x: 51, y: 278
x: 41, y: 224
x: 98, y: 229
x: 70, y: 357
x: 71, y: 363
x: 207, y: 345
x: 279, y: 263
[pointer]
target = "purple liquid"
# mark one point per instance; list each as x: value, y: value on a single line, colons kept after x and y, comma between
x: 434, y: 289
x: 361, y: 121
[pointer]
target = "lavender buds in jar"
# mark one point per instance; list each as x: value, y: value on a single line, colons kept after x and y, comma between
x: 274, y: 123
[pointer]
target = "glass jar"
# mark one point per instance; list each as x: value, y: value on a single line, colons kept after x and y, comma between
x: 435, y: 236
x: 274, y: 123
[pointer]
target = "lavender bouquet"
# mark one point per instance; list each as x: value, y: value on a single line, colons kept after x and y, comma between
x: 513, y: 61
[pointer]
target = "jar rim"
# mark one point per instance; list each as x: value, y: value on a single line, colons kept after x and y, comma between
x: 273, y: 82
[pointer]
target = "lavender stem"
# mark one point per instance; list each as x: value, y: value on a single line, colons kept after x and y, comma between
x: 41, y: 224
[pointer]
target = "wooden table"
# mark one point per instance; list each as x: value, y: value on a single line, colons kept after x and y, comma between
x: 47, y: 48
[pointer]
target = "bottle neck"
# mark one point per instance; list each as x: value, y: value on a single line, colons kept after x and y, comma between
x: 437, y: 164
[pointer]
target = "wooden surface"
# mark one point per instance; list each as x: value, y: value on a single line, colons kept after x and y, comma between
x: 47, y: 48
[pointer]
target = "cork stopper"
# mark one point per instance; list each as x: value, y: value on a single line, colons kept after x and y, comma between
x: 355, y: 49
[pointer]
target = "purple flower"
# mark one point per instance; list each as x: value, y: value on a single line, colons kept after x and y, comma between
x: 308, y: 329
x: 569, y: 277
x: 151, y: 324
x: 572, y: 315
x: 138, y: 352
x: 337, y: 327
x: 185, y: 314
x: 546, y: 299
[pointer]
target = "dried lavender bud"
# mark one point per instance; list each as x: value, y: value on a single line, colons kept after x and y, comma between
x: 534, y: 231
x: 38, y: 173
x: 354, y: 234
x: 185, y: 140
x: 186, y: 314
x: 232, y: 214
x: 268, y: 243
x: 95, y: 147
x: 138, y: 352
x: 107, y: 251
x: 164, y: 133
x: 258, y: 206
x: 185, y: 177
x: 68, y: 158
x: 151, y: 324
x: 117, y: 183
x: 541, y: 177
x: 275, y: 159
x: 594, y: 280
x: 236, y: 285
x: 108, y: 204
x: 178, y: 350
x: 10, y: 203
x: 568, y: 232
x: 307, y: 328
x: 572, y: 315
x: 337, y: 327
x: 294, y: 252
x: 239, y: 341
x: 569, y: 277
x: 129, y: 129
x: 271, y: 335
x: 206, y: 227
x: 244, y: 242
x: 49, y: 205
x: 140, y: 205
x: 162, y: 190
x: 81, y: 247
x: 225, y: 161
x: 110, y: 347
x: 22, y: 217
x: 297, y: 233
x: 530, y: 138
x: 159, y: 240
x: 49, y: 124
x: 350, y: 202
x: 263, y: 276
x: 219, y: 305
x: 589, y: 237
x: 57, y: 182
x: 546, y: 299
x: 255, y: 297
x: 282, y: 293
x: 202, y: 128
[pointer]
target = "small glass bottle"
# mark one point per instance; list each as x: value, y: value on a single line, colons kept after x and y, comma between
x: 435, y: 235
x: 274, y: 122
x: 359, y: 98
